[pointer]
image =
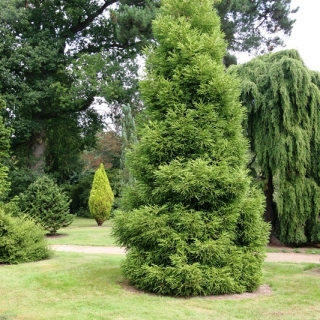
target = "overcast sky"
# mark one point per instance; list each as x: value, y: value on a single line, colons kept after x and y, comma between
x: 305, y: 34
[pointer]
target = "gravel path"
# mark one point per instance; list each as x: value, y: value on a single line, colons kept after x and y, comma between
x: 271, y: 256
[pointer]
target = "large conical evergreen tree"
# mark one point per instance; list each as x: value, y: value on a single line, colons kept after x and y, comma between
x: 282, y: 97
x: 196, y: 226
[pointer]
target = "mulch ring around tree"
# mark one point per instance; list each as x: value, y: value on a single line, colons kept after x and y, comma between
x: 56, y: 235
x: 264, y: 289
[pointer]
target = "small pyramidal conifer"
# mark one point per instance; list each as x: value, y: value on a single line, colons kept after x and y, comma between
x: 101, y: 196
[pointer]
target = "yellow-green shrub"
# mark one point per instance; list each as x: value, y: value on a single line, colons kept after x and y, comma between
x: 21, y: 240
x: 101, y: 196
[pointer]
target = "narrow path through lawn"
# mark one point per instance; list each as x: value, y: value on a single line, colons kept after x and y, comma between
x: 271, y: 256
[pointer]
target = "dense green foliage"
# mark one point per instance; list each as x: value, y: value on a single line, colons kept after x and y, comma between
x: 282, y: 97
x: 101, y: 196
x: 79, y: 191
x: 58, y: 59
x: 45, y: 202
x: 255, y: 25
x: 21, y: 240
x: 4, y: 154
x: 20, y: 178
x: 129, y: 138
x: 196, y: 225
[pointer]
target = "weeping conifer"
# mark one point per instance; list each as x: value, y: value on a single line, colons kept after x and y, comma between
x: 196, y: 227
x: 282, y: 98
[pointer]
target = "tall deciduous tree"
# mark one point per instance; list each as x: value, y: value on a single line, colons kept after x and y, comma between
x: 196, y: 226
x: 282, y: 97
x: 55, y: 58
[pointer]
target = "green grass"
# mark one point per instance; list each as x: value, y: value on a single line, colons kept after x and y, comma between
x: 91, y: 286
x: 295, y: 250
x: 84, y: 232
x: 312, y: 251
x: 87, y: 286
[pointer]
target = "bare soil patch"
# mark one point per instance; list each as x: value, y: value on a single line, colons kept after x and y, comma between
x: 56, y: 235
x: 314, y: 270
x: 263, y: 290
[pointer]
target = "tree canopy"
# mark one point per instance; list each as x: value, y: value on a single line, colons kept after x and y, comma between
x: 60, y: 58
x: 56, y: 57
x: 282, y: 98
x: 255, y: 25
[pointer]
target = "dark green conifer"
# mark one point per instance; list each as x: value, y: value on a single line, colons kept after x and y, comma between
x: 47, y: 204
x: 196, y: 226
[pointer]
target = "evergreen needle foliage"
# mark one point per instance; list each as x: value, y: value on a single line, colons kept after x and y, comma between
x: 101, y: 196
x: 21, y: 240
x: 282, y: 97
x: 195, y: 225
x: 45, y: 202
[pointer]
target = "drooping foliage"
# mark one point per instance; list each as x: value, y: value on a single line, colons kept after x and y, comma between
x: 21, y: 240
x: 47, y: 204
x: 282, y: 98
x: 101, y: 196
x: 196, y: 225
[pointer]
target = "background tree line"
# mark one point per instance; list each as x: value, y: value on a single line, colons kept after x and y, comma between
x: 61, y: 58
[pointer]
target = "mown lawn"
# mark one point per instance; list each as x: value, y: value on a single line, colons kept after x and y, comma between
x: 90, y: 286
x: 84, y: 232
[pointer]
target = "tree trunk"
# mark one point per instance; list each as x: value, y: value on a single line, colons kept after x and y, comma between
x: 38, y: 149
x: 269, y: 214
